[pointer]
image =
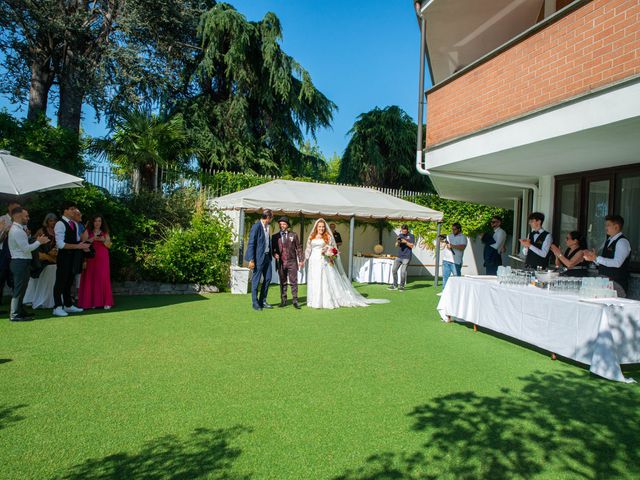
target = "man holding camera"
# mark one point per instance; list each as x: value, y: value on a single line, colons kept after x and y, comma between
x: 453, y: 246
x: 404, y: 242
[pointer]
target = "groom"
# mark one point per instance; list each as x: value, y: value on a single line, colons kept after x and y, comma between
x: 288, y: 254
x: 259, y: 256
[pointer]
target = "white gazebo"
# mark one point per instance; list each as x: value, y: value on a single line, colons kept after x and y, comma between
x: 315, y: 200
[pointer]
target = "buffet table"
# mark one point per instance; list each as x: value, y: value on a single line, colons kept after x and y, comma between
x: 372, y: 269
x: 602, y: 333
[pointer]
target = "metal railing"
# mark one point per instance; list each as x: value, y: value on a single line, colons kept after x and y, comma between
x: 215, y: 183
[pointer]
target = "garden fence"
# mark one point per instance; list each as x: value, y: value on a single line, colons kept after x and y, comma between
x: 215, y: 183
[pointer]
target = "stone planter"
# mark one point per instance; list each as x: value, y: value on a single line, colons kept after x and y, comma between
x: 240, y: 280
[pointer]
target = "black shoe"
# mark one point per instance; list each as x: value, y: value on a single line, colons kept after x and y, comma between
x: 295, y: 304
x: 266, y: 305
x: 21, y: 319
x: 257, y: 307
x: 283, y: 304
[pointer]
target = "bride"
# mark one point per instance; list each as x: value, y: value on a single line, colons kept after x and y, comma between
x: 327, y: 284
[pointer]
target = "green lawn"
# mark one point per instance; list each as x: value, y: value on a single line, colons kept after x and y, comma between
x: 204, y: 387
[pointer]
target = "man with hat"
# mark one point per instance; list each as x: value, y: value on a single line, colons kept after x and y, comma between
x: 289, y: 259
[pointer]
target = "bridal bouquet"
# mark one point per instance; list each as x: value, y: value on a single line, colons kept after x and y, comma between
x: 330, y: 253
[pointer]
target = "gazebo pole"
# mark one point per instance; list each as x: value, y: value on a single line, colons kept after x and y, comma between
x: 514, y: 235
x: 302, y: 230
x: 352, y: 228
x: 241, y: 238
x: 437, y: 272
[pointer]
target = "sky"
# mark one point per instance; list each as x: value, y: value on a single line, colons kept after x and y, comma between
x: 361, y: 55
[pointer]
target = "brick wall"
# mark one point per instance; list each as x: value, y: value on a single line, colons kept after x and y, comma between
x: 592, y: 46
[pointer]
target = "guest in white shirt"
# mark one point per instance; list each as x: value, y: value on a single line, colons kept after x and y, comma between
x: 21, y: 255
x: 494, y: 246
x: 5, y: 256
x: 615, y: 255
x: 537, y: 245
x: 453, y: 251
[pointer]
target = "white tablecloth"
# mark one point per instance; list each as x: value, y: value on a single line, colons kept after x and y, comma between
x: 372, y: 270
x: 601, y: 333
x: 275, y: 278
x: 39, y: 292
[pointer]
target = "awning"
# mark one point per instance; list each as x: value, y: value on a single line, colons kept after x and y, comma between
x: 459, y: 32
x: 325, y: 200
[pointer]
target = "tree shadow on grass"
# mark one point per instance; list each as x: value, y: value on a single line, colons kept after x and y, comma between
x: 205, y: 453
x: 561, y: 424
x: 9, y: 416
x: 5, y: 360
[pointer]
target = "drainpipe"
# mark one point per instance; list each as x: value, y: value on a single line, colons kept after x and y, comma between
x: 421, y: 99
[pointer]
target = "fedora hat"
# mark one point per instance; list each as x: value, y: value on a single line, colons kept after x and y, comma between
x: 284, y: 219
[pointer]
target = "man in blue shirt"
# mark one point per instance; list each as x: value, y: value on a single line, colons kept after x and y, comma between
x: 405, y: 243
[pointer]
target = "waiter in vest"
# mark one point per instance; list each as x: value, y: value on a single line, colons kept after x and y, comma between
x: 614, y: 258
x: 70, y: 248
x: 536, y: 247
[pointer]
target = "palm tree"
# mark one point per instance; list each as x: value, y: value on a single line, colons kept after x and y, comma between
x: 141, y: 143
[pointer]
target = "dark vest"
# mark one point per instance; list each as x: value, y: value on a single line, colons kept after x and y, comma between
x: 70, y: 258
x: 70, y: 235
x: 533, y: 260
x: 619, y: 275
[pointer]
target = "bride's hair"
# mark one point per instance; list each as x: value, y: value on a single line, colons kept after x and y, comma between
x: 325, y: 235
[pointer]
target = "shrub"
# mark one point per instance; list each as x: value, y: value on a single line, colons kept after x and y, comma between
x: 135, y: 222
x: 200, y: 253
x: 474, y: 218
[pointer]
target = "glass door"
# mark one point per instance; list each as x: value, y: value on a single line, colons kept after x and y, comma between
x: 627, y: 202
x: 567, y: 217
x: 597, y: 200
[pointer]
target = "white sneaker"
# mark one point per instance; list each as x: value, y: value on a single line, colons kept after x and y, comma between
x: 59, y: 312
x: 439, y: 294
x: 107, y: 307
x: 73, y: 309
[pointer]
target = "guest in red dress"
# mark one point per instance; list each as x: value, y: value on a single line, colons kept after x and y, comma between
x: 95, y: 282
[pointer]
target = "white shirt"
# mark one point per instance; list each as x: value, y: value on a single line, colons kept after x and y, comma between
x: 454, y: 255
x: 19, y: 245
x: 499, y: 237
x: 60, y: 230
x: 623, y: 250
x: 541, y: 252
x: 265, y: 228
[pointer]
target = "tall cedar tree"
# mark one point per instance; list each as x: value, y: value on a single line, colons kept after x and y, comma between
x: 381, y: 151
x: 256, y: 102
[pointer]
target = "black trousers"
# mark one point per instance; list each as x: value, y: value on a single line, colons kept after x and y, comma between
x: 65, y: 273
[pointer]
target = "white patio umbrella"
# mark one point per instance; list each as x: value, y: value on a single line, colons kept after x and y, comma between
x: 19, y: 176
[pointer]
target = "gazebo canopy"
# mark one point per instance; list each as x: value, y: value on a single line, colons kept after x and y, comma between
x: 320, y: 199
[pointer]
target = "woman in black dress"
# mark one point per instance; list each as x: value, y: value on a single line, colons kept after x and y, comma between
x: 573, y: 256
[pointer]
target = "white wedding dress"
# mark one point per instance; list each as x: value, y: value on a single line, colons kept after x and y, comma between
x: 327, y: 284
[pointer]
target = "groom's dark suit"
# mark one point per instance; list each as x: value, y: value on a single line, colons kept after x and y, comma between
x: 259, y: 252
x: 287, y: 246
